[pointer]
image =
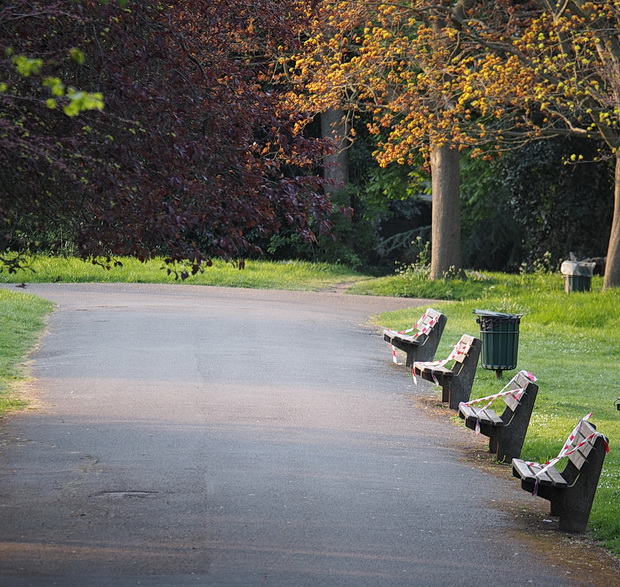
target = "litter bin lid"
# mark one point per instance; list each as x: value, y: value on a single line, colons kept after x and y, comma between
x: 577, y: 268
x: 490, y: 314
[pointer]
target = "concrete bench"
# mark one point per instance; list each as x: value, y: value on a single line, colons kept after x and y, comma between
x: 419, y: 342
x: 455, y: 375
x: 506, y: 432
x: 570, y: 492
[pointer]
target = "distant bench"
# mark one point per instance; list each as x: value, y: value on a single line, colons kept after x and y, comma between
x: 506, y: 432
x: 455, y: 381
x: 422, y: 343
x: 571, y: 492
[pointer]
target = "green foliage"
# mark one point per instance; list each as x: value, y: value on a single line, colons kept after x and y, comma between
x: 350, y: 238
x: 517, y: 209
x: 27, y: 66
x: 75, y: 101
x: 491, y: 235
x: 77, y: 55
x: 82, y: 101
x: 393, y: 183
x: 57, y: 88
x: 389, y: 211
x: 558, y: 207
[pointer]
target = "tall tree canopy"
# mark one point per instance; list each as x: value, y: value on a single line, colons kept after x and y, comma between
x: 444, y: 76
x: 396, y: 62
x: 195, y: 153
x: 553, y: 69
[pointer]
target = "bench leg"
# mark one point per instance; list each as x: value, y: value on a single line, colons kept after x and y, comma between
x: 569, y: 506
x: 455, y: 391
x: 493, y: 442
x: 445, y: 392
x: 460, y: 385
x: 572, y: 511
x: 509, y: 445
x: 510, y: 438
x: 576, y: 504
x: 573, y: 504
x: 556, y: 505
x: 418, y: 353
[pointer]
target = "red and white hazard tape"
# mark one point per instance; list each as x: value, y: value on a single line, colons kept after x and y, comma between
x: 516, y: 393
x: 424, y: 330
x: 567, y: 449
x: 453, y: 355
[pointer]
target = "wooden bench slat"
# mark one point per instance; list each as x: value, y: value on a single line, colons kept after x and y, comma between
x: 488, y: 415
x: 580, y: 437
x: 415, y: 339
x: 553, y: 477
x: 522, y: 468
x: 580, y: 456
x: 466, y: 411
x: 462, y: 347
x: 428, y: 320
x: 550, y: 477
x: 511, y: 401
x: 437, y: 369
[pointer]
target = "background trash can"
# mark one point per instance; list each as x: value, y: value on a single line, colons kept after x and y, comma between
x: 499, y: 334
x: 577, y: 275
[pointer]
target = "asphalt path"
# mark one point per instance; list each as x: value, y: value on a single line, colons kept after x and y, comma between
x: 190, y: 435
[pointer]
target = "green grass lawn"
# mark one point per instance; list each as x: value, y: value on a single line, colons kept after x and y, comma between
x: 571, y: 342
x: 297, y: 275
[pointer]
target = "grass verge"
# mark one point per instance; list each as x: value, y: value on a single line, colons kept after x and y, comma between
x: 292, y: 275
x: 21, y: 319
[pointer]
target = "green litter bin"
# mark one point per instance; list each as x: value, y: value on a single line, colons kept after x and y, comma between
x: 577, y: 275
x: 499, y: 334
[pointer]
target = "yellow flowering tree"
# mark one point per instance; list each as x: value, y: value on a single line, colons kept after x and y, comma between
x: 397, y: 63
x: 440, y: 77
x: 551, y: 68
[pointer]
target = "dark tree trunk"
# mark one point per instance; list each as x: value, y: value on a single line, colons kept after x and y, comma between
x: 336, y: 170
x: 446, y: 213
x: 612, y: 268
